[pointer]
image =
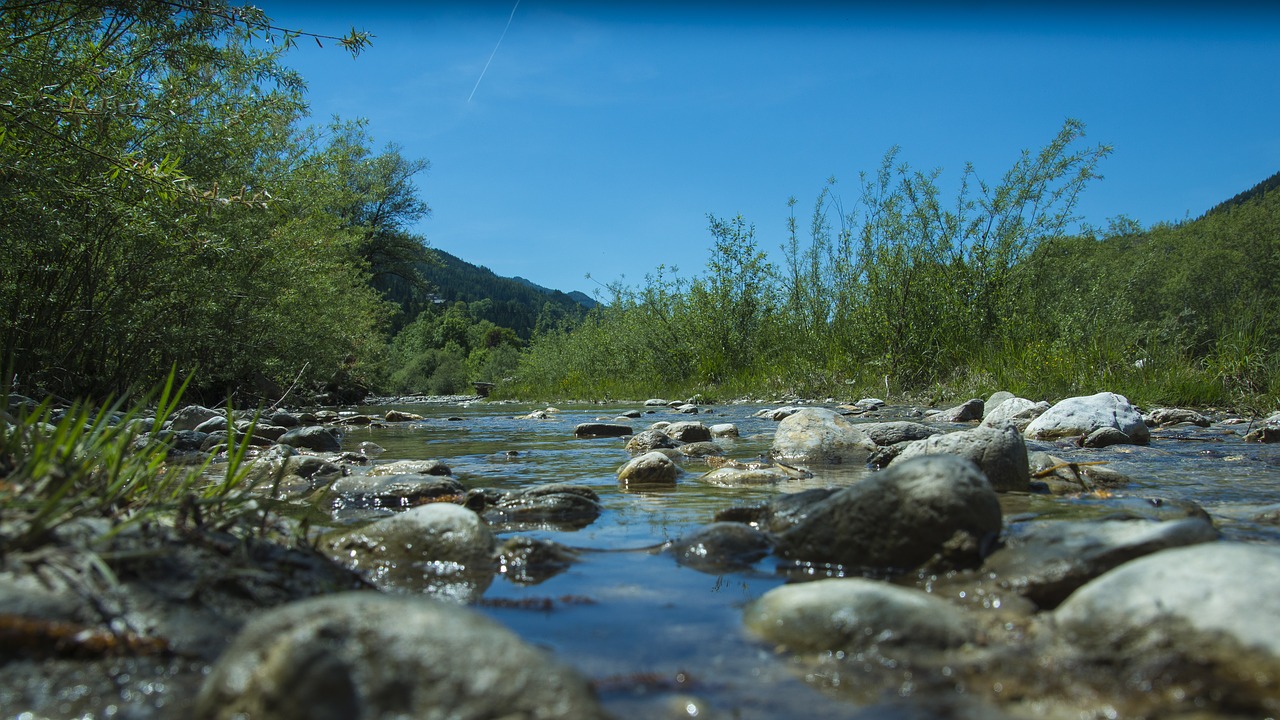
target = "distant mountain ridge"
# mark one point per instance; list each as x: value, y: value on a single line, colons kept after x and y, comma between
x: 1257, y: 191
x: 516, y: 302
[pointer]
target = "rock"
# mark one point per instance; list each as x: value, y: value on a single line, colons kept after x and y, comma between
x: 285, y: 420
x: 314, y: 437
x: 1265, y: 434
x: 411, y: 467
x: 999, y: 452
x: 652, y: 468
x: 656, y: 402
x: 738, y: 477
x: 600, y: 429
x: 1082, y: 415
x: 396, y: 491
x: 555, y: 506
x: 1018, y: 411
x: 630, y: 415
x: 996, y: 400
x: 1205, y: 612
x: 820, y: 436
x: 441, y: 549
x: 900, y: 518
x: 1047, y: 561
x: 647, y: 440
x: 722, y: 546
x: 777, y: 413
x: 897, y: 431
x: 688, y: 432
x: 1161, y: 417
x: 686, y: 409
x: 869, y: 404
x: 362, y: 656
x: 854, y: 614
x: 190, y: 417
x: 528, y: 561
x: 1105, y: 437
x: 700, y: 449
x: 400, y: 416
x: 724, y: 430
x: 970, y: 410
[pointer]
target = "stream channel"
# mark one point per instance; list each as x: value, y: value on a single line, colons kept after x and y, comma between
x: 660, y: 639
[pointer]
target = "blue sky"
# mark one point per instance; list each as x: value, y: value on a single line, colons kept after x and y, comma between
x: 602, y: 135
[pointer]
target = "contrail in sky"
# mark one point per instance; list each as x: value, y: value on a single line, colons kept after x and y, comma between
x: 495, y: 51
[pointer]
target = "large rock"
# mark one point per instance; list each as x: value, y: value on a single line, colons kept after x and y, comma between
x: 688, y: 432
x: 442, y: 549
x: 396, y: 491
x: 900, y: 518
x: 555, y: 506
x: 1048, y: 561
x: 411, y: 467
x: 853, y: 614
x: 651, y: 468
x: 820, y: 436
x: 1206, y: 612
x: 1018, y: 411
x: 744, y: 477
x: 190, y: 417
x: 999, y: 451
x: 651, y: 439
x: 314, y: 437
x: 897, y: 431
x: 970, y: 410
x: 601, y: 429
x: 722, y: 546
x: 1083, y: 415
x: 357, y: 656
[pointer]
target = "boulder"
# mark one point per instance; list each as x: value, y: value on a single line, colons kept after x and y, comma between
x: 777, y: 413
x: 556, y: 506
x: 601, y: 429
x: 1047, y: 561
x: 1204, y: 614
x: 190, y: 417
x: 411, y: 467
x: 401, y: 416
x: 688, y: 432
x: 314, y: 437
x: 1018, y: 411
x: 996, y: 400
x: 1000, y: 452
x: 722, y: 546
x: 358, y: 656
x: 854, y: 614
x: 724, y: 430
x: 1082, y: 415
x: 897, y: 431
x: 820, y: 436
x: 1161, y: 417
x: 970, y: 410
x: 652, y: 468
x: 441, y: 549
x: 396, y: 491
x: 901, y: 518
x: 651, y: 439
x: 740, y: 477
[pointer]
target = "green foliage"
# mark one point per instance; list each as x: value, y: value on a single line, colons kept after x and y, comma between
x: 901, y: 292
x: 443, y: 351
x: 159, y: 206
x: 108, y: 462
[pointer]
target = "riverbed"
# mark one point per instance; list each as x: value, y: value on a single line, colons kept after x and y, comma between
x: 659, y: 638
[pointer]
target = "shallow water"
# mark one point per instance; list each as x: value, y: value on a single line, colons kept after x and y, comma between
x: 663, y: 640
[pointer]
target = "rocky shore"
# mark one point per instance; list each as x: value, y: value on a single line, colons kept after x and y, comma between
x: 926, y: 578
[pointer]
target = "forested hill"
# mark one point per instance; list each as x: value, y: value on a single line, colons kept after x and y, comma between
x: 1252, y: 193
x: 514, y: 302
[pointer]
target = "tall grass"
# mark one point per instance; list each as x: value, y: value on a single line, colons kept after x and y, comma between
x: 108, y: 462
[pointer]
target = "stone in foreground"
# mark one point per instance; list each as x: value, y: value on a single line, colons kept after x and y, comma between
x: 357, y: 656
